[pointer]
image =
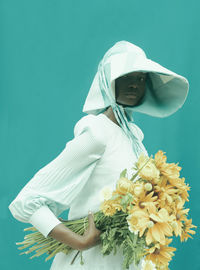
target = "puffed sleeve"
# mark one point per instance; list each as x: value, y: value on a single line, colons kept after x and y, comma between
x: 53, y: 188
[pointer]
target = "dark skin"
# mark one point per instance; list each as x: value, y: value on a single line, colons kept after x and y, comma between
x: 129, y: 90
x: 90, y: 238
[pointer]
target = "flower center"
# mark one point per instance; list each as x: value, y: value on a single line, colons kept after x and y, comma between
x: 141, y: 205
x: 157, y: 251
x: 156, y: 194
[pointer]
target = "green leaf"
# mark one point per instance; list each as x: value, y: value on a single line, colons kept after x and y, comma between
x: 105, y: 249
x: 123, y: 173
x: 126, y: 200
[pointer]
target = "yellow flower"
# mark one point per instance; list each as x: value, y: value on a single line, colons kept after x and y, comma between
x: 124, y: 185
x: 160, y: 159
x: 138, y: 188
x: 187, y: 229
x: 165, y: 192
x: 182, y: 188
x: 149, y: 171
x: 138, y: 221
x: 148, y: 265
x: 156, y: 223
x: 144, y: 201
x: 116, y: 204
x: 160, y: 254
x: 160, y: 228
x: 132, y: 222
x: 141, y: 160
x: 171, y: 170
x: 179, y: 215
x: 108, y: 208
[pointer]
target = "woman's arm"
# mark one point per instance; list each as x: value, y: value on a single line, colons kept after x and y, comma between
x: 90, y: 238
x: 54, y: 187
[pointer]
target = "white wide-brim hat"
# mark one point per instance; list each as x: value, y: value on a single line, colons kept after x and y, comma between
x: 166, y: 95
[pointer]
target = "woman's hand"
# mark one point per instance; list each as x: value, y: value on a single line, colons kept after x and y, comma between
x: 91, y: 237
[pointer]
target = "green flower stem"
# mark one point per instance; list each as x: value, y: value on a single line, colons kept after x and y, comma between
x: 134, y: 176
x: 37, y: 243
x: 30, y: 229
x: 55, y: 252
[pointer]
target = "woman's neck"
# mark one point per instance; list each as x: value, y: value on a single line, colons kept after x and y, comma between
x: 110, y: 114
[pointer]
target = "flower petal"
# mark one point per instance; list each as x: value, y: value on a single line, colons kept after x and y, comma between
x: 149, y: 238
x: 155, y: 233
x: 155, y: 217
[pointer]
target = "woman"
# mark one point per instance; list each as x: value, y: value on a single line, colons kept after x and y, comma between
x: 106, y: 141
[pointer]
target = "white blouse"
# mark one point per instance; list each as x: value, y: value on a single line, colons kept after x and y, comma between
x: 93, y: 159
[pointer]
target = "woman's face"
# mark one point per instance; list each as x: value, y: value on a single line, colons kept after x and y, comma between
x: 130, y: 88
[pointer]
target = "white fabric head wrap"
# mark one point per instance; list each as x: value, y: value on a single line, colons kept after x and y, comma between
x: 165, y: 93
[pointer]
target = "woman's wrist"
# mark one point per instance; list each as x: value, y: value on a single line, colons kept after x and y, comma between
x: 84, y: 242
x: 68, y: 237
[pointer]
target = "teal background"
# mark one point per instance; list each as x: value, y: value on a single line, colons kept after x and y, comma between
x: 49, y: 51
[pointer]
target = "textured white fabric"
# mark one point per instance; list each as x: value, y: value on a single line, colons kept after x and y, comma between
x: 44, y: 220
x: 93, y: 260
x: 91, y: 161
x: 58, y: 183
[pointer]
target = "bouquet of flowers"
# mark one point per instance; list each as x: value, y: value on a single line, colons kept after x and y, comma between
x: 137, y: 217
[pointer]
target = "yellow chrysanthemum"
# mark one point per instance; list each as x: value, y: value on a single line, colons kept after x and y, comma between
x: 138, y: 221
x: 187, y: 229
x: 164, y: 191
x: 171, y: 170
x: 116, y: 204
x: 124, y: 185
x: 179, y: 215
x: 141, y: 160
x: 182, y: 188
x: 160, y: 159
x: 160, y: 226
x: 145, y: 200
x: 138, y: 188
x: 160, y: 254
x: 107, y: 207
x: 156, y: 223
x: 149, y: 171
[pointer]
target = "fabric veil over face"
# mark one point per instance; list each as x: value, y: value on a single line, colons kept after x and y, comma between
x: 165, y: 94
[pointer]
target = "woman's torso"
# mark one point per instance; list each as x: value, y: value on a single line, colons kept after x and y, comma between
x: 118, y: 155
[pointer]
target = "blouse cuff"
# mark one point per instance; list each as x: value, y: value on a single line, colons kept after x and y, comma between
x: 44, y: 220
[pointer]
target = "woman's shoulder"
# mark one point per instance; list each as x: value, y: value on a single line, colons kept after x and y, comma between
x: 93, y: 124
x: 90, y: 120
